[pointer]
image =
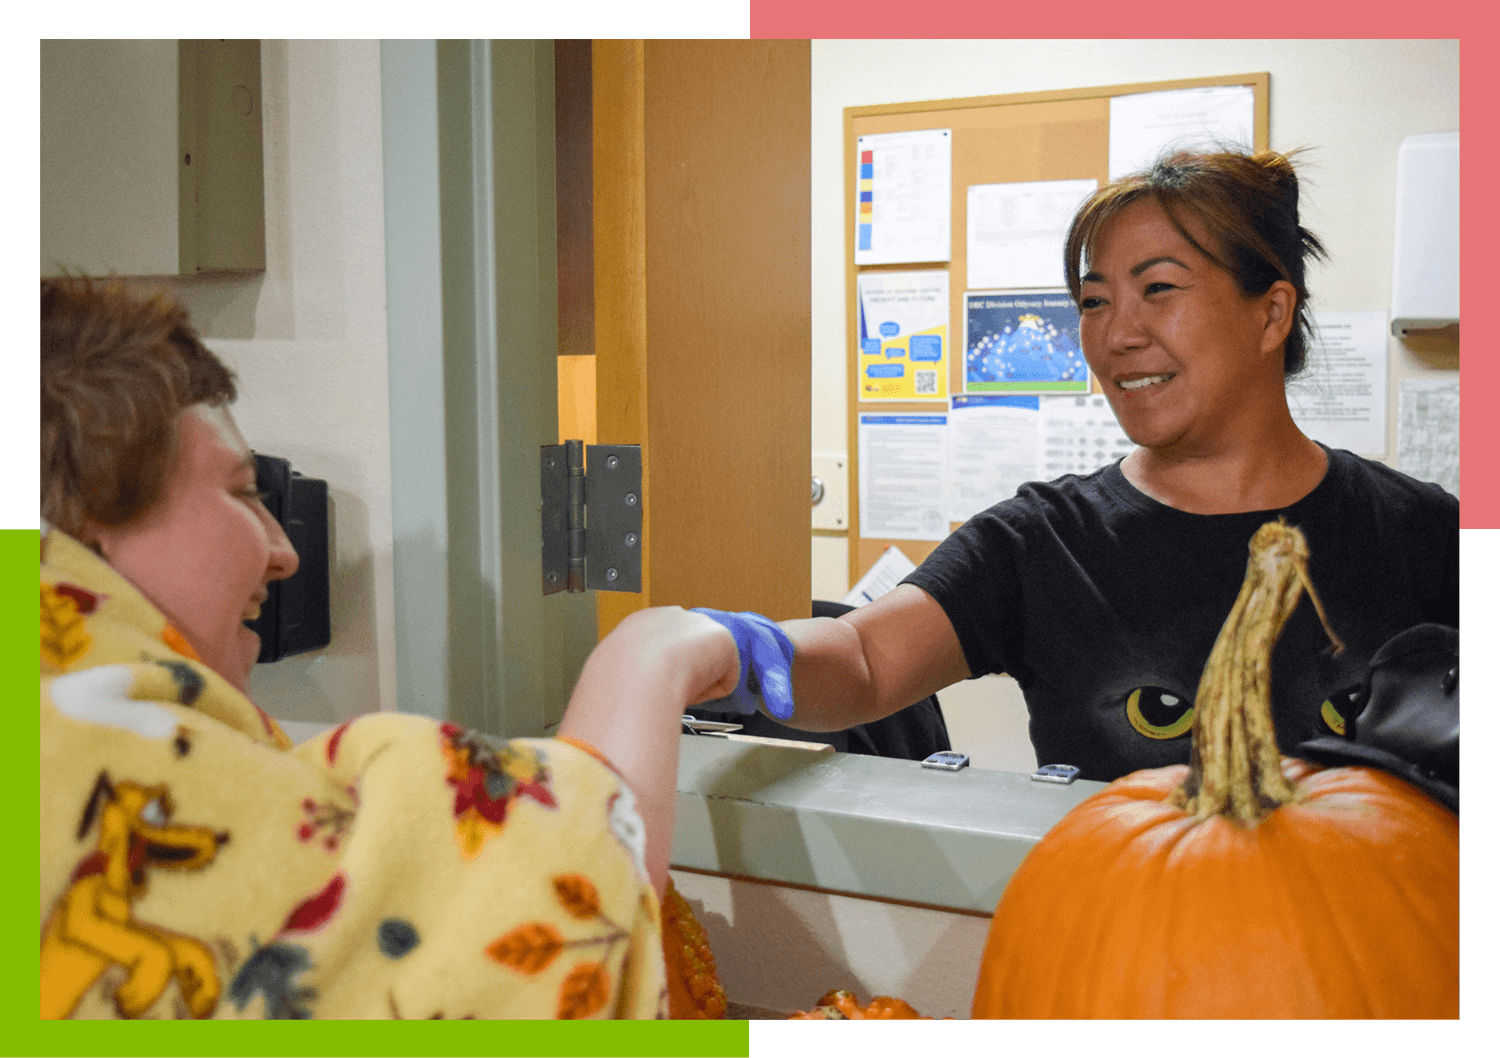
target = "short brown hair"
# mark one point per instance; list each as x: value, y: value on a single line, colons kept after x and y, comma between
x: 117, y: 369
x: 1248, y: 203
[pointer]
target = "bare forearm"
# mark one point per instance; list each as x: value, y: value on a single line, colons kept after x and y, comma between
x: 831, y: 685
x: 628, y: 705
x: 872, y: 661
x: 635, y: 727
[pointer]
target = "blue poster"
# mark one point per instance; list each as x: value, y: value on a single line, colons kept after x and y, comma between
x: 1023, y: 343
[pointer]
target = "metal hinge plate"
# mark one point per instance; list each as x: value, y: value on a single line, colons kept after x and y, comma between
x: 591, y: 522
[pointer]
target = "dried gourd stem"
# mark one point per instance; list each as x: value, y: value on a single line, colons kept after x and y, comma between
x: 1301, y: 567
x: 1236, y: 765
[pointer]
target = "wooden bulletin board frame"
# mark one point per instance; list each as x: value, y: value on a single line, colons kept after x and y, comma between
x: 1060, y: 135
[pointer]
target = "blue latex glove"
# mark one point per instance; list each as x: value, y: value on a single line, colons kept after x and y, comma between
x: 765, y: 665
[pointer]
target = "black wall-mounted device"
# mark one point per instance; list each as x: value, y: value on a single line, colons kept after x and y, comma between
x: 295, y: 618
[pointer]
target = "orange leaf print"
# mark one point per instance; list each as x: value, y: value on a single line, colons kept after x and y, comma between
x: 65, y: 638
x: 529, y: 948
x: 178, y: 642
x: 584, y: 991
x: 578, y: 895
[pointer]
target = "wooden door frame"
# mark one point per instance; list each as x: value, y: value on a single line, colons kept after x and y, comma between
x: 702, y: 313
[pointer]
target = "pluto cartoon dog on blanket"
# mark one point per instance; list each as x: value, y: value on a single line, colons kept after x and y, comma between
x: 92, y: 926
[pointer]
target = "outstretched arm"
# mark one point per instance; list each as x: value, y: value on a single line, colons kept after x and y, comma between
x: 872, y: 661
x: 629, y: 700
x: 860, y: 667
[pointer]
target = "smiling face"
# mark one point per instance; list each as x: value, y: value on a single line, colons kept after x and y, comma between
x: 1188, y: 362
x: 206, y: 550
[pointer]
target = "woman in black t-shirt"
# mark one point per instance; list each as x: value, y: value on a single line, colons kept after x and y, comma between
x: 1103, y: 594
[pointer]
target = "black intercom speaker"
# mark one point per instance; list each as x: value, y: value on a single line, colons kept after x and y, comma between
x: 294, y: 619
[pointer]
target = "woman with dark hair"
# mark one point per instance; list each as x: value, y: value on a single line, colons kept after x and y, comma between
x: 193, y: 862
x: 1102, y: 594
x: 1195, y: 305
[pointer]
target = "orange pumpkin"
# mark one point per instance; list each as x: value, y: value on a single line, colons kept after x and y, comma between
x: 1246, y: 885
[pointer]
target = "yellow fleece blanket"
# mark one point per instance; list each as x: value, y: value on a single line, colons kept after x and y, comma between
x: 195, y: 864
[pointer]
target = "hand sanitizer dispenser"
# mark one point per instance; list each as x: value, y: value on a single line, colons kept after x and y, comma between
x: 1424, y: 283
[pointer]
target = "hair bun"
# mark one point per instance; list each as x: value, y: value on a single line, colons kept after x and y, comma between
x: 1282, y: 172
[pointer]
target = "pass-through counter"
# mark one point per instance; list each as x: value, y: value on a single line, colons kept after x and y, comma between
x: 817, y: 870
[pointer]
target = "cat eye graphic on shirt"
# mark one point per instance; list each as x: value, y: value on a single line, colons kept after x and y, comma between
x: 1336, y: 707
x: 1159, y: 713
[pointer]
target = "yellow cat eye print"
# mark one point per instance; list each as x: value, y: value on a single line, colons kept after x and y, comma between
x: 1332, y: 717
x: 1156, y: 700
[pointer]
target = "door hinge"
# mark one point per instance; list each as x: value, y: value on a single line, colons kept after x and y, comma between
x: 591, y: 522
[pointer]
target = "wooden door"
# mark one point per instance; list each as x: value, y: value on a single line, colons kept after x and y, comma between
x: 702, y: 313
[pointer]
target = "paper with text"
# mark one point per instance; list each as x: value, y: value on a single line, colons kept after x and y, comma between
x: 904, y: 202
x: 903, y: 464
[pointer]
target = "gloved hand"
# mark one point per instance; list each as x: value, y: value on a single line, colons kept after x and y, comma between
x: 765, y: 665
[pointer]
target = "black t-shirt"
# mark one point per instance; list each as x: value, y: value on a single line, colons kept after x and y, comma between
x: 1104, y: 603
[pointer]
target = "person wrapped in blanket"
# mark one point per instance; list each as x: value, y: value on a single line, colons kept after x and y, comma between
x: 196, y: 864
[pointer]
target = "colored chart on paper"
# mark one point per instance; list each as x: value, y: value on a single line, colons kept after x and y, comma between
x: 866, y: 196
x: 904, y: 197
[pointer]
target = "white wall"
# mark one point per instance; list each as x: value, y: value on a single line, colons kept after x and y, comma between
x: 1353, y: 101
x: 308, y: 341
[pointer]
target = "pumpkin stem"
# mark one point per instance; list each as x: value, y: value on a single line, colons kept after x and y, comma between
x: 1236, y: 765
x: 1301, y: 568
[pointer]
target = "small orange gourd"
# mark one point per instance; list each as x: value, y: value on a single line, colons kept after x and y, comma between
x: 1245, y: 885
x: 693, y: 988
x: 843, y: 1005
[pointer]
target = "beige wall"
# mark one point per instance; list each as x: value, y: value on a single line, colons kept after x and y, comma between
x: 1353, y: 101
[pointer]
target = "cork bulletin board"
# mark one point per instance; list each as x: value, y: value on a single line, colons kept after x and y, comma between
x: 1059, y: 135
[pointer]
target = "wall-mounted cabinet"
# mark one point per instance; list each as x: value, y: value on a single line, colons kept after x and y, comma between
x: 151, y: 157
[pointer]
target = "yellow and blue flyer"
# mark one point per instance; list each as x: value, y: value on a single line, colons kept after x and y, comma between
x: 1022, y: 342
x: 903, y: 335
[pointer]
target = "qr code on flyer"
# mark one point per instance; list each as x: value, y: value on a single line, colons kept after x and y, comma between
x: 925, y: 381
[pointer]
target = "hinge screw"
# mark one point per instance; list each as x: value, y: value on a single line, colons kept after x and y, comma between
x: 612, y: 462
x: 630, y: 499
x: 630, y: 539
x: 611, y: 574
